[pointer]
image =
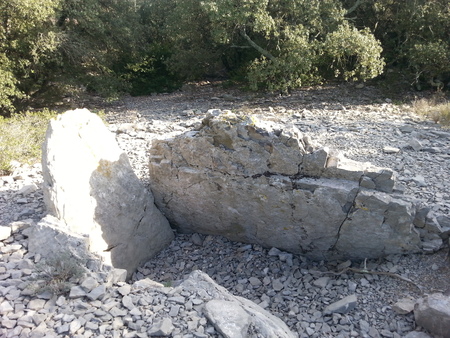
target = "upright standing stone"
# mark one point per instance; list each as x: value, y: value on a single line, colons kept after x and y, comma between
x: 90, y: 186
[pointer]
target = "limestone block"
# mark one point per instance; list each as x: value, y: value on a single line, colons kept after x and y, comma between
x: 378, y: 225
x: 258, y: 182
x: 90, y: 186
x: 433, y: 313
x: 231, y: 315
x: 229, y: 318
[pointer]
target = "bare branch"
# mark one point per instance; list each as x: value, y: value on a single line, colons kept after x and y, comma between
x: 264, y: 52
x: 355, y: 6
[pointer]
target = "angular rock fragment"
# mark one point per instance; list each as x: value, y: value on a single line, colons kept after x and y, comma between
x: 433, y: 313
x: 162, y: 328
x: 229, y: 318
x: 234, y: 316
x: 90, y: 186
x: 404, y: 306
x: 344, y: 305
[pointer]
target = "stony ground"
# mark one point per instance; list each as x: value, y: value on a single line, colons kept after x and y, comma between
x: 362, y: 122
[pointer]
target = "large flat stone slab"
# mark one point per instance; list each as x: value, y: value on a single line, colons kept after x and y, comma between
x: 256, y: 182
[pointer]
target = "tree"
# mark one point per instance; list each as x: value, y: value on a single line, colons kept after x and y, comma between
x: 45, y: 45
x: 282, y: 44
x: 99, y: 38
x: 415, y: 35
x: 27, y: 43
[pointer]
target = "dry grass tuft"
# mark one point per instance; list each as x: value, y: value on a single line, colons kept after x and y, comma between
x: 21, y: 137
x: 437, y: 108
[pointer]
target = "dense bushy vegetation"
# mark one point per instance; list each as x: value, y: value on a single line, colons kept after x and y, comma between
x: 142, y: 46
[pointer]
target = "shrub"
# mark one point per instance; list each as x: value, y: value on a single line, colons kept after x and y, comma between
x: 56, y: 274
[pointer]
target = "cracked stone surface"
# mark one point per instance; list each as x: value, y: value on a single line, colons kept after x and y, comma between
x: 256, y: 181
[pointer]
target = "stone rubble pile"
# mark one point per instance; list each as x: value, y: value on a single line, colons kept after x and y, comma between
x: 102, y: 304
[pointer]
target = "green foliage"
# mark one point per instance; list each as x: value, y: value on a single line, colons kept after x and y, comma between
x: 27, y: 43
x: 296, y: 41
x: 415, y: 35
x: 45, y: 45
x: 353, y: 54
x: 57, y: 273
x: 195, y: 54
x: 8, y: 87
x: 430, y: 60
x: 116, y: 46
x: 151, y: 75
x: 21, y: 137
x: 98, y: 40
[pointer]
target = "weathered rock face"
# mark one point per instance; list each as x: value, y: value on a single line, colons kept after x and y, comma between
x: 90, y: 186
x: 255, y: 182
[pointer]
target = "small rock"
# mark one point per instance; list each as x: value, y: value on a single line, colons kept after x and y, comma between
x: 5, y: 307
x: 255, y: 281
x: 74, y: 326
x: 364, y: 282
x: 419, y: 180
x: 174, y: 310
x: 36, y: 304
x: 163, y: 328
x: 5, y: 232
x: 127, y: 302
x: 321, y: 282
x: 77, y: 292
x: 404, y: 306
x: 124, y: 289
x: 146, y: 283
x: 97, y: 293
x: 342, y: 306
x: 89, y: 284
x: 274, y: 252
x: 277, y: 285
x: 196, y: 239
x: 117, y: 276
x: 27, y: 189
x: 415, y: 144
x: 390, y: 150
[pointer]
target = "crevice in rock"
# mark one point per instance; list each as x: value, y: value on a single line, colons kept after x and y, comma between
x: 138, y: 224
x: 351, y: 209
x: 266, y: 174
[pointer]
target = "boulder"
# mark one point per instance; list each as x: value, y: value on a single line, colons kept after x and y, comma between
x: 233, y: 316
x: 433, y: 313
x: 259, y: 182
x: 90, y: 186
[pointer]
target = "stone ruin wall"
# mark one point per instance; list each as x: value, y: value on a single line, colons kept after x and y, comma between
x: 259, y: 182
